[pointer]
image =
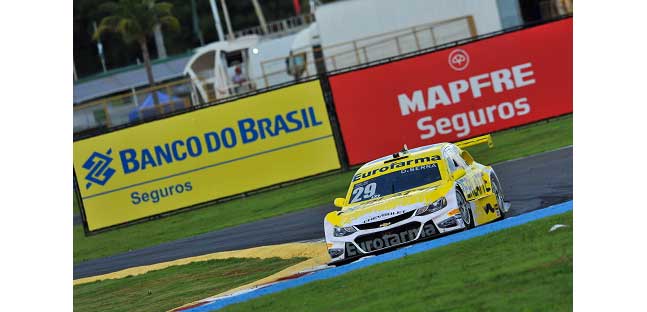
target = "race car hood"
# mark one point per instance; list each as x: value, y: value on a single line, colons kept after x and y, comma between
x: 388, y: 206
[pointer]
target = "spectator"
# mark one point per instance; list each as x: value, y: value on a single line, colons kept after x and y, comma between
x: 238, y: 79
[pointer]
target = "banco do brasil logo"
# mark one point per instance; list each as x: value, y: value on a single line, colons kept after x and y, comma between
x: 99, y: 168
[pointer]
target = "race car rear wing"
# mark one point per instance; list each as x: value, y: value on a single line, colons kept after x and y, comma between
x: 476, y: 141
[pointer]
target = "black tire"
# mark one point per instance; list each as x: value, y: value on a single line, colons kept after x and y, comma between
x: 466, y: 211
x: 496, y: 190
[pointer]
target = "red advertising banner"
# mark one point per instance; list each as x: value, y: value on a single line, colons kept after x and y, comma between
x: 457, y: 93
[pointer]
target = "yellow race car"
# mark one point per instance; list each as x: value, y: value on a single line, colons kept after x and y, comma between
x: 412, y: 195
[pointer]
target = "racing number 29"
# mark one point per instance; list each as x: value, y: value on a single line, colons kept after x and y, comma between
x: 365, y: 192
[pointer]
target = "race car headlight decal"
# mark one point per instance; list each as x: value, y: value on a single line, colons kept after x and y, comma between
x: 435, y: 206
x: 335, y: 252
x: 344, y: 231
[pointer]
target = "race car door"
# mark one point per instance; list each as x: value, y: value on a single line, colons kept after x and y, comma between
x: 471, y: 183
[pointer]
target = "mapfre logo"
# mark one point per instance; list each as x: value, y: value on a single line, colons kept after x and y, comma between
x: 458, y: 59
x: 98, y: 166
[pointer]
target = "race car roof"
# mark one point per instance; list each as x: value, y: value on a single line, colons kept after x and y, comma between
x: 427, y: 150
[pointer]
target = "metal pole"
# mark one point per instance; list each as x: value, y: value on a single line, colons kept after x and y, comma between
x: 196, y: 23
x: 216, y: 19
x: 261, y: 17
x: 134, y: 95
x: 312, y: 4
x: 159, y: 41
x: 100, y: 48
x: 227, y: 21
x: 397, y: 44
x: 75, y: 75
x: 356, y: 52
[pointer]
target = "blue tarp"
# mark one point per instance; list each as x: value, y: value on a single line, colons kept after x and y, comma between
x: 146, y: 108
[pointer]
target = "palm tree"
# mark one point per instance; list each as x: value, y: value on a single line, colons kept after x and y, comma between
x: 136, y: 20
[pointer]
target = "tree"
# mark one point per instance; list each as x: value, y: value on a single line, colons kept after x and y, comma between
x: 135, y: 21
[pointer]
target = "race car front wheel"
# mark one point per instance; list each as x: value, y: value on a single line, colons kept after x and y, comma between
x: 464, y: 207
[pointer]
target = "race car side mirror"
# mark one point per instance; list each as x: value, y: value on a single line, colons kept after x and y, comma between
x: 467, y: 157
x: 459, y: 173
x: 339, y: 202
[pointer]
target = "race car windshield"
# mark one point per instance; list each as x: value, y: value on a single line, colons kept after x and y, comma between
x: 395, y: 182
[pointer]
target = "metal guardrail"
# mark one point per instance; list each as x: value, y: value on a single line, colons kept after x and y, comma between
x: 125, y: 108
x: 449, y: 44
x: 376, y: 47
x: 280, y: 27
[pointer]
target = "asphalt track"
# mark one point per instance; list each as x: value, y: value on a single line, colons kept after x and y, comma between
x: 529, y: 183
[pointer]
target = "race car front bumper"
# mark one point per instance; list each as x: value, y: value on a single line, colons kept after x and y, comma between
x: 396, y: 231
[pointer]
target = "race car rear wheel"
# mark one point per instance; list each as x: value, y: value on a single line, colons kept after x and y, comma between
x: 496, y: 190
x: 466, y: 212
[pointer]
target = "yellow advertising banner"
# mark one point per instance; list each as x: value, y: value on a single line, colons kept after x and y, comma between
x: 204, y: 155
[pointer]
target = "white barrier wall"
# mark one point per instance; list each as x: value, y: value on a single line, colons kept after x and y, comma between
x: 348, y: 20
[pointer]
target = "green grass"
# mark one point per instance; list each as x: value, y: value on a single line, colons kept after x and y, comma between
x: 525, y: 268
x: 527, y: 140
x: 174, y: 286
x: 509, y: 144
